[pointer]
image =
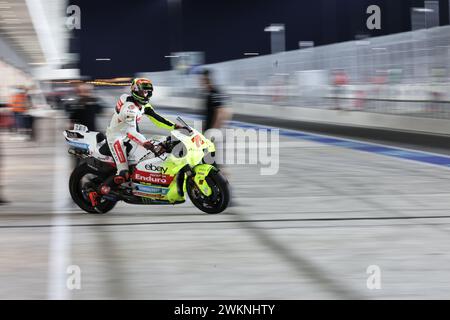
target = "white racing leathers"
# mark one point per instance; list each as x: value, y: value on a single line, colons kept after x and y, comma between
x: 123, y: 125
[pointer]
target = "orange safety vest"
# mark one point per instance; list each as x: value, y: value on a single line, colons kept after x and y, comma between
x: 18, y: 102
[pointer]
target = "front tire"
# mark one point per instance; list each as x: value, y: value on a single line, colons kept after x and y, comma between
x: 82, y: 178
x: 219, y: 199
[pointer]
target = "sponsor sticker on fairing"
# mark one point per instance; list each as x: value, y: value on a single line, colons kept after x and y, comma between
x: 78, y: 145
x: 152, y: 190
x: 152, y: 177
x: 152, y: 167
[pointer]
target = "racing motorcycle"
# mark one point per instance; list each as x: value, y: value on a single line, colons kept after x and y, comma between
x: 185, y: 165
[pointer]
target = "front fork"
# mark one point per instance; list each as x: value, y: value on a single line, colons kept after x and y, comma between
x: 198, y: 174
x: 201, y: 172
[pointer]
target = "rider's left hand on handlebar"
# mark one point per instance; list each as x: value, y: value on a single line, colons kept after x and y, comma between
x: 157, y: 149
x: 148, y: 145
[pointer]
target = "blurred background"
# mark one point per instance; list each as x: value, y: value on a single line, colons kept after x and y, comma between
x: 358, y: 89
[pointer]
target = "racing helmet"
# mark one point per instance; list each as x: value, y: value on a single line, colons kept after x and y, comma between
x: 141, y: 90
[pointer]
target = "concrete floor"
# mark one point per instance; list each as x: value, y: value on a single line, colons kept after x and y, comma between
x: 309, y: 232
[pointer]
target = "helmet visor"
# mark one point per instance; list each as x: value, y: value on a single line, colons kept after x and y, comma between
x: 146, y: 86
x: 142, y: 89
x: 146, y: 89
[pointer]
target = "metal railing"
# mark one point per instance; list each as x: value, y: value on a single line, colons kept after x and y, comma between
x: 405, y: 73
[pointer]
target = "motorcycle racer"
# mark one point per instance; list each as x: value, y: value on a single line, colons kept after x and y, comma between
x: 124, y: 124
x: 183, y: 172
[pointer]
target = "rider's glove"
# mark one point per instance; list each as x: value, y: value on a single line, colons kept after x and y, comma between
x: 157, y: 149
x: 148, y: 145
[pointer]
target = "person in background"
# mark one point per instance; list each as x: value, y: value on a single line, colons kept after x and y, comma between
x: 28, y: 115
x: 2, y: 200
x: 215, y: 110
x: 84, y: 108
x: 6, y: 117
x: 217, y: 113
x: 3, y: 124
x: 19, y: 105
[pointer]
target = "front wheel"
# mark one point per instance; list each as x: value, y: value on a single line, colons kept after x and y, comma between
x: 218, y: 200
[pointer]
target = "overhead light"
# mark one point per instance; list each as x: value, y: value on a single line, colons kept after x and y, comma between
x: 305, y: 44
x: 251, y: 54
x: 423, y: 10
x: 170, y: 56
x: 274, y: 28
x: 103, y: 59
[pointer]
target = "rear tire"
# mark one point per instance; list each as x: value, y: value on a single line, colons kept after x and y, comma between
x: 220, y: 198
x: 78, y: 190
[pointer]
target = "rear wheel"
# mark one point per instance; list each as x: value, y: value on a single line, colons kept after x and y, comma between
x: 219, y: 198
x: 82, y: 181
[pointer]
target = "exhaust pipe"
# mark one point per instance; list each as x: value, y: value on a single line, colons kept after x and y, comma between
x: 77, y: 152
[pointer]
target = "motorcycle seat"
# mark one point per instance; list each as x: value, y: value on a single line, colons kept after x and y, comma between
x: 104, y: 150
x: 100, y: 137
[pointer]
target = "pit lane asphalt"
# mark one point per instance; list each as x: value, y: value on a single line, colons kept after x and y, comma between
x: 310, y: 231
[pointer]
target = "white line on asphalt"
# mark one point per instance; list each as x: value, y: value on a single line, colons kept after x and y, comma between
x: 59, y: 253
